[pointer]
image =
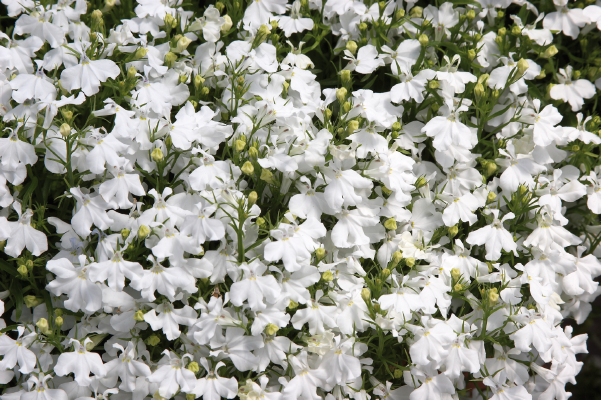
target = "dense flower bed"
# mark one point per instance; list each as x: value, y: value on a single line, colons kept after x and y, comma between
x: 308, y: 200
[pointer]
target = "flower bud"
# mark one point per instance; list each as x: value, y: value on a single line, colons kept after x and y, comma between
x: 471, y: 14
x: 170, y: 58
x: 248, y: 168
x: 32, y: 301
x: 398, y: 373
x: 190, y: 396
x: 170, y: 21
x: 501, y: 14
x: 65, y: 130
x: 131, y: 72
x: 362, y: 26
x: 385, y: 272
x: 193, y: 366
x: 327, y: 113
x: 410, y: 262
x: 423, y: 40
x: 267, y: 176
x: 365, y: 294
x: 228, y: 23
x: 458, y: 287
x: 22, y: 270
x: 490, y: 168
x: 351, y: 46
x: 397, y: 126
x: 260, y: 221
x: 58, y: 312
x: 516, y: 30
x: 400, y: 13
x: 433, y: 84
x: 346, y: 107
x: 198, y: 81
x: 327, y: 276
x: 152, y: 340
x: 252, y: 197
x: 182, y: 44
x: 320, y: 253
x: 421, y: 181
x: 125, y: 233
x: 397, y: 256
x: 522, y: 67
x: 550, y: 52
x: 479, y: 91
x: 97, y: 15
x: 502, y: 31
x: 453, y: 230
x: 140, y: 52
x: 575, y: 148
x: 416, y: 12
x: 353, y: 125
x: 42, y: 325
x: 292, y: 304
x: 58, y: 321
x: 239, y: 145
x: 345, y: 76
x: 455, y: 274
x: 139, y: 316
x: 493, y: 297
x: 271, y: 329
x: 471, y: 54
x: 143, y: 231
x: 157, y: 154
x: 341, y: 94
x: 390, y: 224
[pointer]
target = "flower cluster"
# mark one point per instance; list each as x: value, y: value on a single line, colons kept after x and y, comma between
x: 327, y: 199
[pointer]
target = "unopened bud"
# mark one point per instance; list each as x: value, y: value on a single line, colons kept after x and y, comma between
x: 353, y: 125
x: 471, y: 14
x: 271, y: 329
x: 198, y: 81
x: 140, y: 52
x: 58, y: 321
x: 433, y: 84
x: 397, y: 256
x: 292, y: 304
x: 170, y: 21
x: 131, y: 72
x: 502, y: 31
x: 96, y: 15
x: 416, y: 12
x: 157, y: 154
x: 345, y: 76
x: 42, y: 325
x: 522, y: 67
x: 400, y: 13
x: 421, y: 181
x: 493, y: 297
x: 252, y: 198
x: 125, y: 233
x: 239, y: 145
x: 455, y: 274
x: 550, y: 52
x: 390, y: 224
x: 479, y: 91
x: 458, y: 287
x: 490, y: 168
x: 516, y: 30
x: 398, y: 373
x: 351, y: 46
x: 453, y: 230
x: 320, y: 253
x: 139, y: 316
x: 32, y: 301
x: 182, y: 44
x: 228, y: 23
x: 170, y: 58
x: 260, y: 221
x: 143, y: 231
x: 471, y: 54
x: 327, y: 276
x: 341, y: 95
x: 365, y: 294
x: 65, y: 130
x: 385, y: 272
x: 248, y: 168
x: 22, y: 270
x: 410, y: 262
x: 423, y: 40
x: 346, y: 107
x: 362, y: 26
x: 193, y: 366
x: 153, y: 340
x: 267, y: 176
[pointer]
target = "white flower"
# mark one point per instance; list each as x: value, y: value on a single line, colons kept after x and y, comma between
x: 366, y: 62
x: 254, y: 287
x: 213, y: 386
x: 565, y: 19
x: 172, y: 375
x: 88, y: 75
x: 21, y: 234
x: 573, y: 92
x: 75, y: 282
x: 16, y: 351
x: 90, y: 211
x: 81, y: 363
x: 494, y: 236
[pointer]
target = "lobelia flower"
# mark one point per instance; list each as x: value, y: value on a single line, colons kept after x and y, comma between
x: 442, y: 19
x: 81, y: 363
x: 568, y: 20
x: 294, y: 23
x: 16, y: 351
x: 168, y: 318
x: 254, y: 287
x: 573, y: 92
x: 116, y: 191
x: 115, y: 270
x: 164, y: 280
x: 89, y: 211
x: 411, y: 87
x: 502, y: 391
x: 403, y: 58
x: 75, y: 282
x: 126, y: 368
x: 213, y: 386
x: 494, y: 237
x: 21, y: 234
x: 172, y: 376
x: 39, y: 390
x: 237, y: 347
x: 88, y: 75
x: 305, y: 382
x: 366, y: 62
x: 519, y: 169
x: 28, y: 87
